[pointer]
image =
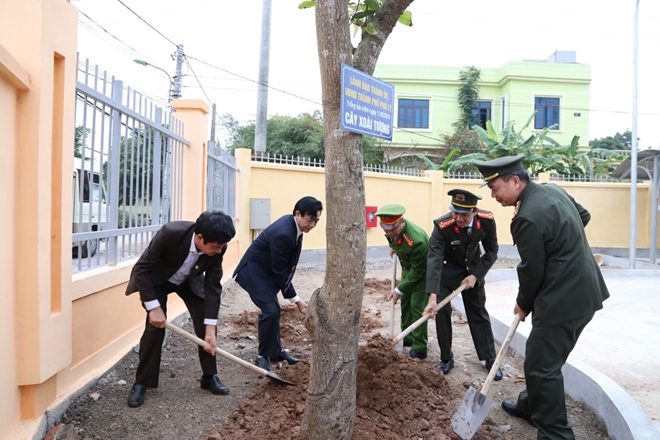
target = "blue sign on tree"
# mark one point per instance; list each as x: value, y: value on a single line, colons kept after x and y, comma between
x: 367, y: 104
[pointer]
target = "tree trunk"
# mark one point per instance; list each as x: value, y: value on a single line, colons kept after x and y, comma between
x: 333, y: 316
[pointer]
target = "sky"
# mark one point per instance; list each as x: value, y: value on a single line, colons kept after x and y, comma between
x: 221, y: 41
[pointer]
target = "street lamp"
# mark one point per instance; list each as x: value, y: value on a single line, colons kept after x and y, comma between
x: 169, y: 92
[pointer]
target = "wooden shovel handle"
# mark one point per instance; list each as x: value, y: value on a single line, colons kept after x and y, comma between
x: 224, y: 354
x: 392, y: 286
x: 426, y: 316
x: 500, y: 355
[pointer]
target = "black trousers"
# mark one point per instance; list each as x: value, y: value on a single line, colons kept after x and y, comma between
x: 270, y: 344
x: 546, y: 352
x: 474, y: 301
x: 151, y: 342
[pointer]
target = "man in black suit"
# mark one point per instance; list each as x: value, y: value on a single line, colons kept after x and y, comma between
x: 186, y: 258
x: 268, y: 267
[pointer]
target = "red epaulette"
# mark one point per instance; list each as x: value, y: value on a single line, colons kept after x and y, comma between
x: 408, y: 240
x: 486, y: 214
x: 515, y: 213
x: 445, y: 223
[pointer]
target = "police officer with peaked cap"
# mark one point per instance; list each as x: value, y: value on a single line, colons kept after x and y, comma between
x: 560, y: 284
x: 454, y: 257
x: 410, y: 243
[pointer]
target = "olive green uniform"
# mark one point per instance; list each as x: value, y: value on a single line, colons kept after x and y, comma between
x: 453, y: 256
x: 562, y: 286
x: 411, y: 247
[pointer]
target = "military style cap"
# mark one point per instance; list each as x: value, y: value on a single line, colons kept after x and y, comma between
x: 391, y: 216
x: 463, y: 201
x: 492, y: 169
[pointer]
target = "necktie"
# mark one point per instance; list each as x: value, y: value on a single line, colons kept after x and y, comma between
x: 468, y: 231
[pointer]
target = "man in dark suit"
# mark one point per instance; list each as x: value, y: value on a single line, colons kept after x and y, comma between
x: 186, y: 258
x: 455, y: 258
x: 559, y: 283
x: 268, y: 267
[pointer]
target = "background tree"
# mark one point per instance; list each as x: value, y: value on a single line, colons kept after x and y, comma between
x: 333, y: 316
x: 78, y: 141
x: 300, y: 136
x: 136, y: 167
x: 617, y: 142
x: 468, y: 93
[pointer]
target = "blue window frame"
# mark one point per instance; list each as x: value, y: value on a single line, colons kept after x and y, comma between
x: 480, y: 113
x: 413, y: 113
x: 547, y: 113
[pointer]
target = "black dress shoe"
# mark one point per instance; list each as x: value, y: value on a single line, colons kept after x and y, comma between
x: 214, y: 385
x: 285, y: 356
x: 489, y: 365
x: 136, y: 398
x: 445, y: 366
x: 263, y: 363
x: 511, y: 408
x: 417, y: 354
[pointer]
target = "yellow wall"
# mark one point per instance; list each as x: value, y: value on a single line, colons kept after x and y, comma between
x: 11, y: 88
x: 426, y: 199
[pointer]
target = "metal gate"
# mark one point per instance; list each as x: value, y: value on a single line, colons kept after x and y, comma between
x: 221, y: 181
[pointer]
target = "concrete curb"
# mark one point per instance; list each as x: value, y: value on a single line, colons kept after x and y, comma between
x: 623, y: 418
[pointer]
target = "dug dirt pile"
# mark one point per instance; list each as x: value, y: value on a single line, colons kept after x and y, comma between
x: 397, y: 398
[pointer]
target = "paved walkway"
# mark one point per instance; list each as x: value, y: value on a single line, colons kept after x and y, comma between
x: 623, y: 339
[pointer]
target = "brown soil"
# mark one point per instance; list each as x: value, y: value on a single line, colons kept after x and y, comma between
x: 397, y: 397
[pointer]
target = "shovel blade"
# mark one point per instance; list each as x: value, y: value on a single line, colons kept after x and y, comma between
x: 471, y: 414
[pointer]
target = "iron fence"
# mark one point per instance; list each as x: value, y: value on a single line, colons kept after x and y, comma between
x: 304, y: 161
x: 127, y: 177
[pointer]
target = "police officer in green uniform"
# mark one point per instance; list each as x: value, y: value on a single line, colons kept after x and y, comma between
x: 455, y: 258
x: 560, y: 284
x: 410, y: 243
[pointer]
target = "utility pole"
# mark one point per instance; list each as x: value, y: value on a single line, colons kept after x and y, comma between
x: 176, y: 91
x: 262, y: 95
x: 632, y: 251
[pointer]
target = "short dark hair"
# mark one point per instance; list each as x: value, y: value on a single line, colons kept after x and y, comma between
x: 523, y: 175
x: 308, y: 205
x: 215, y: 227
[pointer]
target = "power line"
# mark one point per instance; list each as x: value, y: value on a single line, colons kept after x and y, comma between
x: 198, y: 82
x: 146, y: 22
x: 252, y: 80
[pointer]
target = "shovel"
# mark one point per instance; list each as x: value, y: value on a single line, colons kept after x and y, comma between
x: 224, y: 354
x: 399, y: 346
x: 426, y: 316
x: 475, y: 405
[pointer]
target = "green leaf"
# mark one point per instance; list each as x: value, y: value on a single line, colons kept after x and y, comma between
x: 307, y: 4
x: 370, y: 29
x: 406, y: 18
x: 363, y: 14
x: 449, y: 157
x: 372, y: 5
x: 427, y: 162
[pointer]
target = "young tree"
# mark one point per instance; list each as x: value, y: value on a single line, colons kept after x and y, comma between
x: 333, y: 316
x: 468, y: 94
